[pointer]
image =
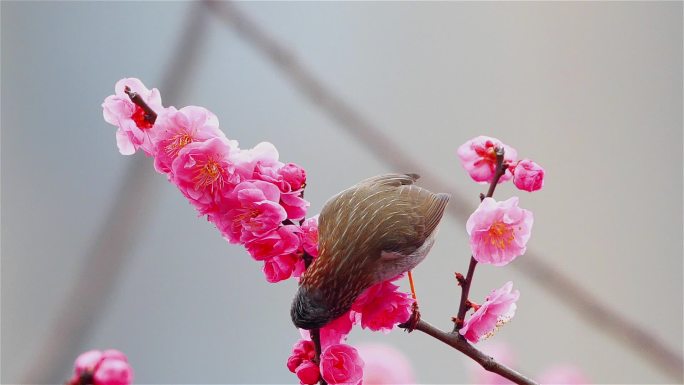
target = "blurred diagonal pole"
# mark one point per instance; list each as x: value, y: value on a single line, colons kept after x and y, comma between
x: 119, y: 233
x: 532, y: 265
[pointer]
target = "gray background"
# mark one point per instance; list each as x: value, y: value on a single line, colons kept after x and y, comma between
x: 592, y: 91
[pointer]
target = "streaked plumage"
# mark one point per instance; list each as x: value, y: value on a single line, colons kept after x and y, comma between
x: 370, y: 232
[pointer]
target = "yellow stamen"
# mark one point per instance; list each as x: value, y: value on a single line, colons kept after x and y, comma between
x: 500, y: 235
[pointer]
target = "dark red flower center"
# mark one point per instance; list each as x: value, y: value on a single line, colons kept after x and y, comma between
x: 140, y: 118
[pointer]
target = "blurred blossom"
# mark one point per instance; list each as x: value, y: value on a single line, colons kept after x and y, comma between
x: 384, y: 364
x: 562, y: 374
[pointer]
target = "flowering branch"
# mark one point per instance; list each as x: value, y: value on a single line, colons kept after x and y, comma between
x: 459, y: 343
x: 464, y: 304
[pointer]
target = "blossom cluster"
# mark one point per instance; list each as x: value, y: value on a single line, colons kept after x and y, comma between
x: 251, y: 197
x: 379, y: 308
x: 254, y: 200
x: 109, y: 367
x: 499, y: 231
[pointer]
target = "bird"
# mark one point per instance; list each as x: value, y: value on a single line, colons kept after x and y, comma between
x: 371, y: 232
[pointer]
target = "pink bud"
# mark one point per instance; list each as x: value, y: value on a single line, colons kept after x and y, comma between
x: 293, y: 175
x: 341, y: 364
x: 87, y: 362
x: 302, y: 351
x: 307, y: 373
x: 113, y: 371
x: 528, y: 176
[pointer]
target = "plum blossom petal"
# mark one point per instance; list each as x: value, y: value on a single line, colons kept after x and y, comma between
x: 113, y: 372
x: 309, y: 234
x: 295, y: 206
x: 382, y: 306
x: 341, y: 364
x: 177, y: 128
x: 134, y: 130
x: 87, y: 362
x: 308, y: 373
x: 528, y: 175
x: 250, y: 211
x: 203, y: 172
x: 281, y: 267
x: 478, y: 157
x: 499, y: 231
x: 303, y: 350
x: 284, y: 240
x: 498, y: 308
x: 106, y: 368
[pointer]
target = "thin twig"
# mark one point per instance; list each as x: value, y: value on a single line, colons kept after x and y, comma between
x: 150, y: 114
x: 459, y: 343
x: 464, y: 304
x: 119, y: 232
x: 316, y: 338
x: 552, y: 280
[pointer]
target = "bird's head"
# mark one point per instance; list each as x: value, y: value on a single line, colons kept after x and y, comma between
x: 309, y: 309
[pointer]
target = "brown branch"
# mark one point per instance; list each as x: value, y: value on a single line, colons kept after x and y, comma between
x: 534, y: 266
x: 150, y: 115
x: 464, y: 304
x: 459, y: 343
x: 316, y: 338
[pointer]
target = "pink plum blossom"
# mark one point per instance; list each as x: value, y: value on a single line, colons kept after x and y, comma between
x: 478, y: 157
x: 113, y: 372
x: 385, y: 364
x: 203, y: 172
x: 284, y: 240
x: 308, y: 373
x: 563, y: 374
x: 334, y: 332
x: 86, y: 362
x: 251, y: 211
x: 263, y: 155
x: 382, y: 306
x: 528, y: 176
x: 293, y: 176
x: 107, y: 368
x: 341, y: 364
x: 289, y: 177
x: 294, y: 205
x: 282, y: 267
x: 177, y: 128
x: 302, y: 351
x: 309, y: 234
x: 133, y: 129
x: 498, y: 308
x: 499, y: 231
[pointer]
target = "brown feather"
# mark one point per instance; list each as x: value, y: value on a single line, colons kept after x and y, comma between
x: 379, y: 215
